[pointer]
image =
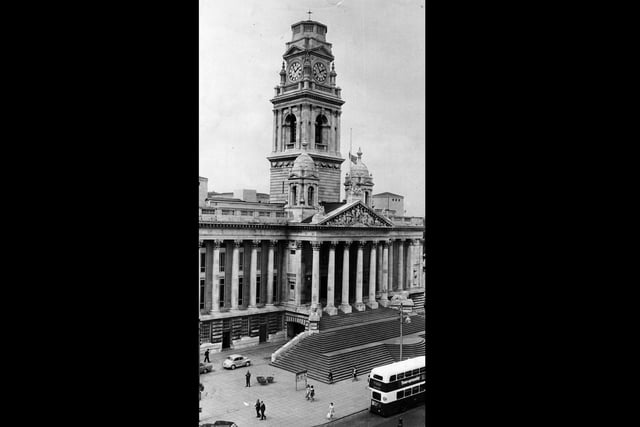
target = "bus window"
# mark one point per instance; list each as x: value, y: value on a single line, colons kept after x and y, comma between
x: 416, y: 371
x: 423, y: 387
x: 407, y: 374
x: 377, y: 377
x: 407, y: 392
x: 401, y: 375
x: 400, y: 394
x: 392, y: 378
x: 416, y: 389
x: 375, y: 395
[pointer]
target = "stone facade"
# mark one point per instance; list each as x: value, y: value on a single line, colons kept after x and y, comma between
x: 269, y: 271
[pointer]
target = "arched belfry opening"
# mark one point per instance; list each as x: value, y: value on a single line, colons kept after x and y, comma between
x: 322, y: 132
x: 290, y: 131
x: 310, y: 200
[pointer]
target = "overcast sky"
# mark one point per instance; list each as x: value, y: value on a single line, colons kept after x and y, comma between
x: 379, y: 50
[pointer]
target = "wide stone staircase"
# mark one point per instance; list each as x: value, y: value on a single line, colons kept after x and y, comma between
x: 353, y: 340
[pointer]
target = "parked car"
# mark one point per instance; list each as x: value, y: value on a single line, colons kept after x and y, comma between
x: 220, y: 424
x: 205, y: 367
x: 235, y: 360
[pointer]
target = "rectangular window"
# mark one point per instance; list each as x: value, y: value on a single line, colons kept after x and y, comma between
x: 375, y: 395
x: 416, y: 371
x: 227, y: 211
x: 407, y: 374
x: 401, y: 375
x: 263, y: 213
x: 221, y: 297
x: 257, y: 289
x: 203, y: 264
x: 258, y: 259
x: 416, y: 389
x: 407, y: 392
x: 202, y: 294
x: 240, y: 259
x: 423, y: 386
x: 400, y: 394
x: 239, y: 290
x: 246, y: 213
x: 222, y: 258
x: 392, y: 378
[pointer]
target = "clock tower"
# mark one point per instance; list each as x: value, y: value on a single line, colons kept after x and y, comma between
x: 306, y: 113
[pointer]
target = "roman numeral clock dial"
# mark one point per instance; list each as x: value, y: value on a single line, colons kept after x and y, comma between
x: 319, y: 72
x: 295, y: 71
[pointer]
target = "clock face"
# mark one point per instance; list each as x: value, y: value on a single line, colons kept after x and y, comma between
x: 319, y: 72
x: 295, y: 71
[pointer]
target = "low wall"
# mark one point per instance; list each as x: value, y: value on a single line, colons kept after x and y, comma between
x: 295, y: 340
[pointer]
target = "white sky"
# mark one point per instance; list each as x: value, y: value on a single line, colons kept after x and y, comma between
x: 379, y: 50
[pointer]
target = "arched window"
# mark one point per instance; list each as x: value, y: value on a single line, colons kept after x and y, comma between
x: 322, y: 132
x: 310, y: 196
x: 290, y: 131
x: 293, y: 195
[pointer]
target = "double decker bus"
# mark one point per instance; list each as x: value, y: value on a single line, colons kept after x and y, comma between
x: 397, y: 386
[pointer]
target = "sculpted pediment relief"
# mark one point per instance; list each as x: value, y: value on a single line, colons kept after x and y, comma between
x: 357, y: 215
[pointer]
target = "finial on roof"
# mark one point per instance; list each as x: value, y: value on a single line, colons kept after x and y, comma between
x: 359, y: 152
x: 309, y: 12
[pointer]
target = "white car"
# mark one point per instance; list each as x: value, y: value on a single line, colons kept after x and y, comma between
x: 235, y: 360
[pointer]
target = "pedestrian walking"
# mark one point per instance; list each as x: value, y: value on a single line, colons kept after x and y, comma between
x: 331, y: 412
x: 330, y: 377
x: 206, y: 356
x: 355, y: 374
x: 400, y: 422
x: 258, y: 408
x: 248, y: 377
x: 262, y: 409
x: 307, y: 392
x: 312, y: 394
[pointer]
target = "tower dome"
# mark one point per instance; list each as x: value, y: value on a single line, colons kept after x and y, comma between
x: 359, y: 171
x: 303, y: 166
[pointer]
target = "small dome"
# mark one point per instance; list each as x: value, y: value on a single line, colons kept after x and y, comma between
x: 359, y: 169
x: 303, y: 166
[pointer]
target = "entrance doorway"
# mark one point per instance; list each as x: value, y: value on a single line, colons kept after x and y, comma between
x: 226, y: 339
x: 294, y: 329
x: 263, y: 333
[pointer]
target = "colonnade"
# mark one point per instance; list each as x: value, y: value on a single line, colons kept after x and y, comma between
x: 386, y: 272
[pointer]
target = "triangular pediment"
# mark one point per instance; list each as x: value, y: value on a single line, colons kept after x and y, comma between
x: 356, y: 214
x: 292, y: 50
x: 321, y: 50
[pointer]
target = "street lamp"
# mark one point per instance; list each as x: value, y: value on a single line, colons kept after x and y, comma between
x: 403, y: 319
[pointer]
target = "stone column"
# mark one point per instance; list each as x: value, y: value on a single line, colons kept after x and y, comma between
x: 315, y: 278
x: 379, y: 269
x: 391, y: 283
x: 234, y: 274
x: 372, y: 276
x: 400, y: 264
x: 272, y: 245
x: 284, y: 277
x: 408, y: 267
x: 331, y: 310
x: 421, y: 273
x: 275, y: 129
x: 359, y: 305
x: 215, y: 296
x: 200, y: 242
x: 298, y: 271
x: 344, y: 306
x: 384, y: 301
x: 253, y: 273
